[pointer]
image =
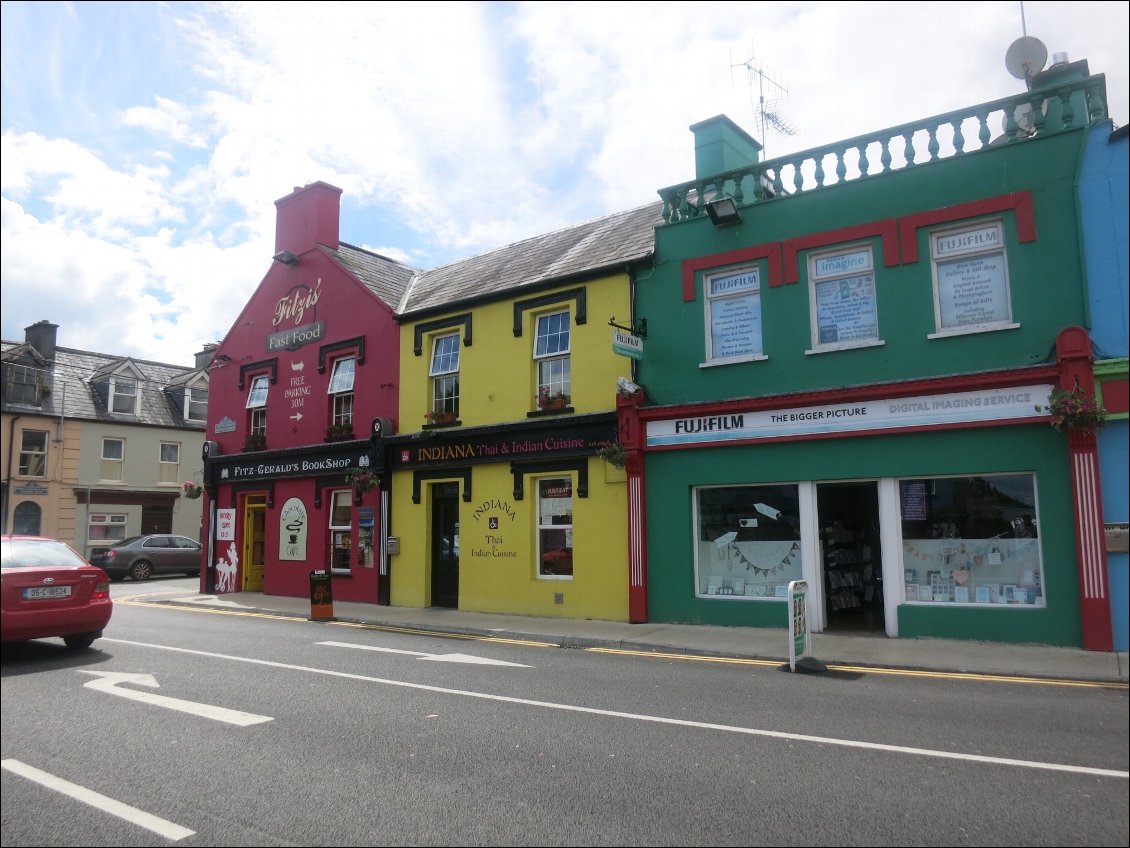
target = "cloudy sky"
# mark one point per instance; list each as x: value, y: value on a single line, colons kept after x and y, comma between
x: 145, y: 144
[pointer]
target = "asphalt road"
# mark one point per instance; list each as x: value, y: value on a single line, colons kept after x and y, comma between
x: 269, y: 732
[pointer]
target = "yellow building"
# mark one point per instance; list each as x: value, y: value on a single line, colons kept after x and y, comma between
x: 497, y: 491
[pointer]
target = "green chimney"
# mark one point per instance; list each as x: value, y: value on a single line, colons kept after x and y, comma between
x: 721, y: 145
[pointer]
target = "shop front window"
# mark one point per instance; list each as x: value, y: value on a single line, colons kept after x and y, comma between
x: 748, y: 541
x: 971, y: 540
x: 555, y: 528
x: 341, y: 529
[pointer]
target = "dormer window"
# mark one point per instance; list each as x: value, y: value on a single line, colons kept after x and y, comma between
x: 23, y: 386
x: 195, y: 404
x: 124, y: 395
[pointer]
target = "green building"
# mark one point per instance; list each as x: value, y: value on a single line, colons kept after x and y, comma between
x: 850, y: 357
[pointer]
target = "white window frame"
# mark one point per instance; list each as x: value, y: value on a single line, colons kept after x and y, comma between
x: 115, y: 524
x: 340, y: 499
x: 839, y: 281
x: 168, y: 462
x: 722, y: 569
x: 257, y: 394
x: 31, y: 455
x: 443, y: 371
x: 125, y: 394
x: 195, y: 409
x: 257, y: 403
x: 342, y: 379
x: 552, y: 358
x: 989, y: 562
x: 540, y: 526
x: 971, y: 244
x: 113, y: 467
x: 725, y: 290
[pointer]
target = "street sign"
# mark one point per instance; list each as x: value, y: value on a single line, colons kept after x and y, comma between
x: 626, y: 344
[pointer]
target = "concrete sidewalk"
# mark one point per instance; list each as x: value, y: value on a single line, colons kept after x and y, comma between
x: 874, y: 651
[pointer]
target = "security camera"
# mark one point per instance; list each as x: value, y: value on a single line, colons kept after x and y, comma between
x: 626, y: 386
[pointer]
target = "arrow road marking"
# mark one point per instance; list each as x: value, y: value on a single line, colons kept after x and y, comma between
x: 454, y: 658
x: 108, y: 681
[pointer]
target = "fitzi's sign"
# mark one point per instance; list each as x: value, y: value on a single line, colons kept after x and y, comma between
x: 297, y: 306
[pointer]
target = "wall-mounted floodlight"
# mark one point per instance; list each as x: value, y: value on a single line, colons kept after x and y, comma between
x: 723, y: 211
x: 285, y: 257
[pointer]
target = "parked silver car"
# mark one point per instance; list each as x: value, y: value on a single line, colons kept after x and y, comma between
x: 140, y: 557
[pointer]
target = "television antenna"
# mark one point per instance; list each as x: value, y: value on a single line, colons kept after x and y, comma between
x: 767, y: 115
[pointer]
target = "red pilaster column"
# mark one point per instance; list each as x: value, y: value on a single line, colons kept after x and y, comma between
x: 630, y: 434
x: 1073, y: 349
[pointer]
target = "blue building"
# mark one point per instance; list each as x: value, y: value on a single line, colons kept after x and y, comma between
x: 1104, y: 203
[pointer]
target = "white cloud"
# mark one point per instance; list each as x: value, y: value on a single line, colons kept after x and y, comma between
x: 140, y: 215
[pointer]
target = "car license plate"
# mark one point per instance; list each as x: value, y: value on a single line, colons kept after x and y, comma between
x: 47, y: 592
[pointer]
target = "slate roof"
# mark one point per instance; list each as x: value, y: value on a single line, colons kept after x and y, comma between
x: 384, y: 277
x: 600, y: 245
x: 72, y: 396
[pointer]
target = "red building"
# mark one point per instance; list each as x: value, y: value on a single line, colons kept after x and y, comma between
x: 305, y: 378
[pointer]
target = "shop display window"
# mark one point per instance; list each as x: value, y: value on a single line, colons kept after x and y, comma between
x: 748, y: 541
x: 555, y: 527
x: 341, y: 529
x: 971, y: 540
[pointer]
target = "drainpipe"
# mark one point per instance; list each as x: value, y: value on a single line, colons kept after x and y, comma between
x: 8, y: 470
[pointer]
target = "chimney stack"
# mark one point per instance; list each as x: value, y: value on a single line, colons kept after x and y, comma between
x: 307, y: 217
x: 204, y: 357
x: 42, y: 336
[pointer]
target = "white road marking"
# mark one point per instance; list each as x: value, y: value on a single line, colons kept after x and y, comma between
x: 454, y: 658
x: 748, y: 731
x: 115, y: 808
x: 108, y: 681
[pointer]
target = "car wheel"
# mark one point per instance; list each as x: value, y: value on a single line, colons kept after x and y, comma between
x: 80, y: 641
x: 141, y: 570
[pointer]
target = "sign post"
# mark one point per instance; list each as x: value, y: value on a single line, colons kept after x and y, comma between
x: 800, y: 644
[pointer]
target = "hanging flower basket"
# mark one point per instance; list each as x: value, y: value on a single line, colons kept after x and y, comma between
x: 1075, y: 408
x: 362, y: 481
x: 614, y: 454
x: 191, y: 489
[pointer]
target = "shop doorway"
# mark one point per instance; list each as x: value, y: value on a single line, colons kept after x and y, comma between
x: 851, y: 556
x: 254, y: 542
x: 445, y: 545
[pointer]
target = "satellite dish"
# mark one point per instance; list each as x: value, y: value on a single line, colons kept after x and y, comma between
x: 1026, y: 57
x: 1025, y: 120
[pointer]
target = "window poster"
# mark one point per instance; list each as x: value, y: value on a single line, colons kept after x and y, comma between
x: 972, y: 291
x: 735, y: 326
x: 734, y: 311
x: 845, y: 310
x: 913, y: 501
